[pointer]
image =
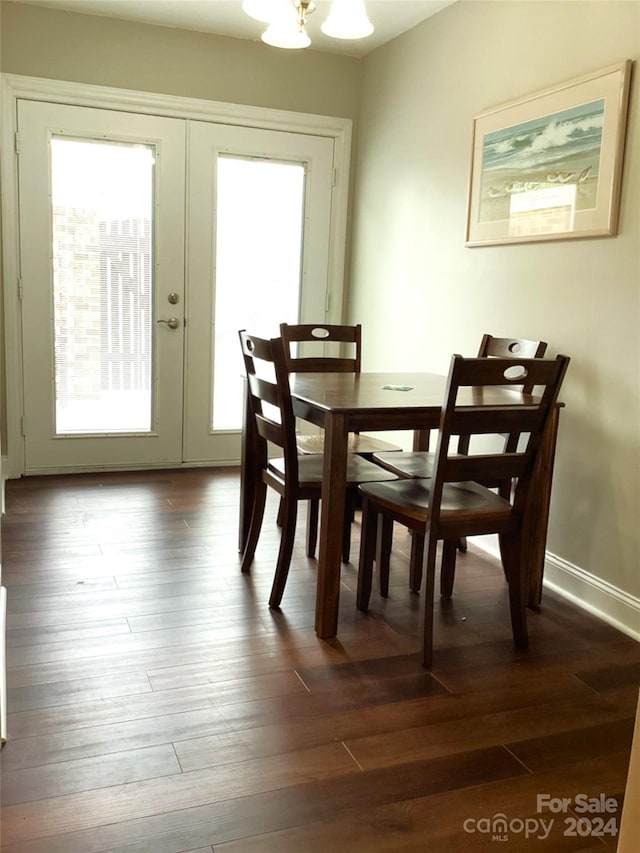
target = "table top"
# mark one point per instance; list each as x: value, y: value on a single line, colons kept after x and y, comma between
x: 387, y: 392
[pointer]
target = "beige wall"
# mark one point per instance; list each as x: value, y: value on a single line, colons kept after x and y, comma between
x: 42, y: 42
x: 422, y: 295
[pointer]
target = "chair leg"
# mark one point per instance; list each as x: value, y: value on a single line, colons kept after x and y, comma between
x: 384, y: 541
x: 448, y: 567
x: 290, y: 514
x: 349, y: 516
x: 257, y: 514
x: 462, y: 544
x: 510, y: 547
x: 504, y: 490
x: 312, y: 527
x: 430, y: 547
x: 279, y: 516
x: 504, y: 557
x: 367, y: 552
x: 415, y: 561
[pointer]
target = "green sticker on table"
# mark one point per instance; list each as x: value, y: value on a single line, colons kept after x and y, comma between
x: 397, y: 387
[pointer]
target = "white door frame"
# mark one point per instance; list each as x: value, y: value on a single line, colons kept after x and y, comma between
x: 14, y: 87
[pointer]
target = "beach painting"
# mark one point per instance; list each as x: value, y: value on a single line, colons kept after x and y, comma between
x: 562, y: 149
x: 549, y: 165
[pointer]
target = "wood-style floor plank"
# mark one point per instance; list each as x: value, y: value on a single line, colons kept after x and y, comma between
x: 436, y: 822
x: 68, y: 777
x: 157, y: 705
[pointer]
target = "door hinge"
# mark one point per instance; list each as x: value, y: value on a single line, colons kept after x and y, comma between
x: 23, y: 426
x: 17, y: 142
x: 334, y: 177
x: 327, y: 302
x: 20, y: 289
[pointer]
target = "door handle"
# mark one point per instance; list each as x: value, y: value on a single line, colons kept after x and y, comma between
x: 172, y: 322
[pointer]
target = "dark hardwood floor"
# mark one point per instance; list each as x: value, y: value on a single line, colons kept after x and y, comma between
x: 157, y: 704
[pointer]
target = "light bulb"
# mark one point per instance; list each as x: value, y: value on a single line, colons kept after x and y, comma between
x: 289, y: 36
x: 266, y: 11
x: 347, y: 20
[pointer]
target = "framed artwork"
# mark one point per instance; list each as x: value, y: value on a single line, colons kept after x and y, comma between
x: 549, y: 166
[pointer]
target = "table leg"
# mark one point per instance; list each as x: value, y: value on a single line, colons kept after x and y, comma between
x: 331, y: 524
x: 535, y: 532
x: 421, y: 439
x: 539, y: 509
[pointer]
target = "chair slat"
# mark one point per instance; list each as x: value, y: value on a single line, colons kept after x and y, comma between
x: 494, y: 420
x: 483, y: 372
x: 485, y: 467
x: 491, y: 346
x: 270, y: 431
x: 319, y: 335
x: 264, y: 390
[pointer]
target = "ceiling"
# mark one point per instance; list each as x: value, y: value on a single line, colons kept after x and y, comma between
x: 225, y: 17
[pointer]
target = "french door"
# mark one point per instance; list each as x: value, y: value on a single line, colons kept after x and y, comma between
x: 146, y: 242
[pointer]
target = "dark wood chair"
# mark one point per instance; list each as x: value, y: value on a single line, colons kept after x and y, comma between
x: 419, y: 464
x: 453, y: 503
x: 324, y: 352
x: 295, y: 477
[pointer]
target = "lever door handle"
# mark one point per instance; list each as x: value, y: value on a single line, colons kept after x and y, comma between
x: 172, y: 322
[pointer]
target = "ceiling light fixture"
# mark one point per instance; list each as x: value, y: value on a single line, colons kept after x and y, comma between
x: 287, y: 20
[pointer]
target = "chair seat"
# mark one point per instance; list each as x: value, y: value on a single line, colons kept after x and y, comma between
x: 459, y: 500
x: 411, y: 463
x: 309, y: 444
x: 310, y: 467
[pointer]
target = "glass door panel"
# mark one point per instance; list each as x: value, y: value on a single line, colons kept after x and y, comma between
x: 260, y: 218
x: 102, y: 223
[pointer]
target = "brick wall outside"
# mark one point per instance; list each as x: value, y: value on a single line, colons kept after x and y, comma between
x: 102, y: 304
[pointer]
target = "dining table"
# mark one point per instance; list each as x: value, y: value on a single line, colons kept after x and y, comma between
x: 340, y: 403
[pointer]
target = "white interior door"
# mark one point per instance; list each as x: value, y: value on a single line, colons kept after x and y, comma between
x: 258, y: 236
x: 129, y: 330
x: 102, y: 248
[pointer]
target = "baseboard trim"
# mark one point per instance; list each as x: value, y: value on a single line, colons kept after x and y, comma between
x: 114, y: 469
x: 3, y: 476
x: 595, y: 595
x: 3, y: 666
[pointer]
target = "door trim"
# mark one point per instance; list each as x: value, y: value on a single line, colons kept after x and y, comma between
x: 15, y: 87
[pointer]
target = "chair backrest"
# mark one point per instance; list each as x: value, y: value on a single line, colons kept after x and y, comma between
x: 270, y: 399
x: 472, y: 407
x: 491, y: 347
x: 316, y: 340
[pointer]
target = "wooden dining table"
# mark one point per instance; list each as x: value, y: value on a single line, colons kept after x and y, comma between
x: 340, y: 403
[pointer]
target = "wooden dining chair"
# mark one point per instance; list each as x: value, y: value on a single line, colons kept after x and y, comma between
x: 295, y: 477
x: 419, y: 463
x: 324, y: 352
x: 453, y: 503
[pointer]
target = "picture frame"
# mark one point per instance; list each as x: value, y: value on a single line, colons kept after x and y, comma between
x: 548, y: 166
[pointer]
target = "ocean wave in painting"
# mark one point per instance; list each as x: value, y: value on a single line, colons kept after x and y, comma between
x: 546, y: 140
